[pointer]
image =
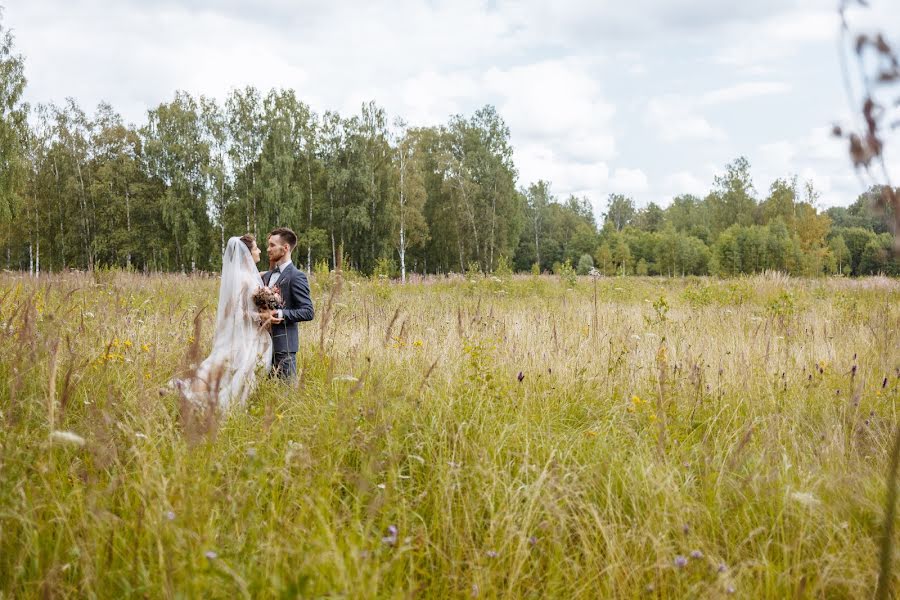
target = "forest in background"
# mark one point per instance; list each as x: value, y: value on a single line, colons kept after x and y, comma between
x: 86, y: 190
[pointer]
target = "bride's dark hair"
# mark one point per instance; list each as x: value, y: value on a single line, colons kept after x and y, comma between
x: 248, y: 240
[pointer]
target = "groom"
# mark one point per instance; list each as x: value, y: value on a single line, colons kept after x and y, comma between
x: 297, y: 303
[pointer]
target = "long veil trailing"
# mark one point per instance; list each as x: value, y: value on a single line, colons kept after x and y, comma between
x: 240, y: 346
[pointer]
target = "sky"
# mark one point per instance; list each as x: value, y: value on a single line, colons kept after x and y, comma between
x: 647, y: 98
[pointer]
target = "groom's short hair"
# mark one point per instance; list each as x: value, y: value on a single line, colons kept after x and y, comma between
x: 285, y: 234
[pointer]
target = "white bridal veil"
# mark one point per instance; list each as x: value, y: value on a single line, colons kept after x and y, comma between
x: 228, y: 374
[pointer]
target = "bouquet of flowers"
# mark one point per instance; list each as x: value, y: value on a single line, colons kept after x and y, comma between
x: 268, y: 298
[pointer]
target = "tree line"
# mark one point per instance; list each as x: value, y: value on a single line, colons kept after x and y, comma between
x: 82, y: 190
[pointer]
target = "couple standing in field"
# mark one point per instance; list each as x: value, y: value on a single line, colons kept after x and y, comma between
x: 256, y: 322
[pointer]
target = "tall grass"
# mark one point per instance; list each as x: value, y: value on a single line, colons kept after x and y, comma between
x: 469, y: 438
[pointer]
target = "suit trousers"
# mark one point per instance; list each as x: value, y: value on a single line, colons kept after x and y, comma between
x: 284, y: 365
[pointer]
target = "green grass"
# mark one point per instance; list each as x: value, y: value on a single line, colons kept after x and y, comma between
x: 748, y: 422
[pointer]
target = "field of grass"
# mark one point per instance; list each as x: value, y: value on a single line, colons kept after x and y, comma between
x: 515, y: 437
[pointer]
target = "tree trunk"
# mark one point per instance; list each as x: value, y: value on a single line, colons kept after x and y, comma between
x: 402, y: 219
x: 310, y: 221
x: 333, y: 247
x: 493, y: 225
x: 84, y: 221
x: 128, y: 225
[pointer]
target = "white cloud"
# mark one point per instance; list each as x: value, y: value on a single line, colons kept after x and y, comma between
x: 628, y: 181
x: 551, y: 99
x: 684, y: 182
x: 743, y: 91
x: 674, y: 120
x: 755, y: 45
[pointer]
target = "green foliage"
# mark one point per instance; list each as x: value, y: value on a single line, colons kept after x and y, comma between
x: 566, y: 273
x: 504, y: 268
x: 385, y: 268
x: 585, y: 264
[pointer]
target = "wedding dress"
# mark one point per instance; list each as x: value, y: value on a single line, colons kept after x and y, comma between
x: 228, y: 375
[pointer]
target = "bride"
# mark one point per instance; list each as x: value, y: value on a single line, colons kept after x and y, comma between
x: 241, y: 344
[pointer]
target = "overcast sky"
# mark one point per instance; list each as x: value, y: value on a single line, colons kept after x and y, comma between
x: 649, y: 98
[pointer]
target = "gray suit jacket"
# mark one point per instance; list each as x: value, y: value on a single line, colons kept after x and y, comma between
x: 298, y: 307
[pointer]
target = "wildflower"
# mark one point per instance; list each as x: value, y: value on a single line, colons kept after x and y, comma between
x: 128, y: 344
x: 492, y: 554
x: 67, y: 437
x: 533, y: 540
x: 170, y: 516
x: 251, y: 452
x: 417, y: 344
x: 722, y: 568
x: 729, y: 590
x: 636, y: 400
x: 115, y: 343
x: 138, y: 434
x: 145, y: 347
x: 210, y: 555
x: 520, y: 376
x: 391, y: 538
x: 685, y: 528
x: 681, y: 561
x: 696, y: 554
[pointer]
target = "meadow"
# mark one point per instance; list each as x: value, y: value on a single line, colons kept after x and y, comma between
x: 485, y: 437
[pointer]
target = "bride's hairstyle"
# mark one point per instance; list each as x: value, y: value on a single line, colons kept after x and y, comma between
x: 285, y: 234
x: 248, y: 240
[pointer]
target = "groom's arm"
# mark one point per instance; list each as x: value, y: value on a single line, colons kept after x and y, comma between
x: 300, y: 293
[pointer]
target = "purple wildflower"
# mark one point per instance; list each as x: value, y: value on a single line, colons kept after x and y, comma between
x: 696, y: 554
x: 391, y: 538
x: 210, y: 555
x: 492, y: 554
x: 681, y: 561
